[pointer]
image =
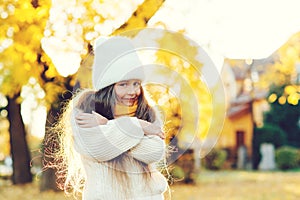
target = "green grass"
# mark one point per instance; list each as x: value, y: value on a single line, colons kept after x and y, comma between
x: 219, y: 185
x: 241, y: 185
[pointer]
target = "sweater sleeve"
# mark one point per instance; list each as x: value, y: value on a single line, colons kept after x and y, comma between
x: 150, y: 149
x: 105, y: 142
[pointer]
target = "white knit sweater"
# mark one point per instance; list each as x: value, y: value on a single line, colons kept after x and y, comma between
x: 105, y: 142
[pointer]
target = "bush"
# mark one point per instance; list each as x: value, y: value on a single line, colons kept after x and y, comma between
x: 269, y: 133
x: 184, y: 167
x: 287, y: 158
x: 298, y: 157
x: 215, y: 159
x: 177, y: 173
x: 273, y: 134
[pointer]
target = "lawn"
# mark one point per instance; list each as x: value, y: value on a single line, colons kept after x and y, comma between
x: 223, y: 185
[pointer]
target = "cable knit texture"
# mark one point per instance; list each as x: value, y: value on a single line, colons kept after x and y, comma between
x: 105, y: 142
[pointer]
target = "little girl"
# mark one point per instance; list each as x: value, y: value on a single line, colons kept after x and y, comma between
x: 111, y: 140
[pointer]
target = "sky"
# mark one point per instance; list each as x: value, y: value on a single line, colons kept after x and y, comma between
x: 236, y: 29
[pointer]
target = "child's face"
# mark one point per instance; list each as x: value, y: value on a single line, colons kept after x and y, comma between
x: 127, y: 92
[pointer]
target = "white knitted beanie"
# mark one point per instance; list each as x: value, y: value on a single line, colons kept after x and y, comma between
x: 115, y: 60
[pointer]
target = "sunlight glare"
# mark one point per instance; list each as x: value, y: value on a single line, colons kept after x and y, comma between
x: 237, y: 29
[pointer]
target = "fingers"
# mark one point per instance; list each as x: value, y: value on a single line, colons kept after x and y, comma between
x: 83, y: 125
x: 97, y: 114
x: 84, y: 119
x: 100, y: 119
x: 162, y: 135
x: 83, y: 115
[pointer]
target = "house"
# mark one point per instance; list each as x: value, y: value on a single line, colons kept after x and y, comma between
x: 246, y: 106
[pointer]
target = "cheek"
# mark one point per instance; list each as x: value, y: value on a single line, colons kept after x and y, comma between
x: 138, y: 92
x: 118, y: 92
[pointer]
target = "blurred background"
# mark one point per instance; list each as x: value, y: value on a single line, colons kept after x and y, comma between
x: 244, y: 144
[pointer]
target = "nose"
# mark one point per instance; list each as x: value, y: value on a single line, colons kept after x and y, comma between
x: 131, y: 90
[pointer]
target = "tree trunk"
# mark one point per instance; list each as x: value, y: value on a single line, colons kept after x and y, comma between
x: 19, y: 148
x: 141, y: 16
x: 49, y: 178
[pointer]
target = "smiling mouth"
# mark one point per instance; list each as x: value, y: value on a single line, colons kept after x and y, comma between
x: 131, y: 99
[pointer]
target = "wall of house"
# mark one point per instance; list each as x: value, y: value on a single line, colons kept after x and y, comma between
x: 228, y: 137
x: 259, y: 108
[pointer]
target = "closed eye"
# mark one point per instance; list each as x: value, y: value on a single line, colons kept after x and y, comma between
x: 122, y: 84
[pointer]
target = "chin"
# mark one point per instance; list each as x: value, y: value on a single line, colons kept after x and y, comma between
x: 129, y: 104
x: 125, y: 103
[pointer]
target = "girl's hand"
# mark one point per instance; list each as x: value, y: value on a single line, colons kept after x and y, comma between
x: 88, y: 120
x: 151, y: 129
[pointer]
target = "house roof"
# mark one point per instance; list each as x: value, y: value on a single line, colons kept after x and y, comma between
x: 242, y: 103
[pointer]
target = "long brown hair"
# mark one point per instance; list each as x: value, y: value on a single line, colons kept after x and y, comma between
x: 70, y: 170
x: 105, y: 100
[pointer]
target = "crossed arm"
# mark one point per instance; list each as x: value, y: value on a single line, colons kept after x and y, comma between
x: 103, y: 139
x: 87, y: 120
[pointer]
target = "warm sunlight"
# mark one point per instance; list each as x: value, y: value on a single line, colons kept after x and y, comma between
x: 65, y: 43
x: 232, y: 29
x: 149, y: 99
x: 236, y: 29
x: 33, y: 110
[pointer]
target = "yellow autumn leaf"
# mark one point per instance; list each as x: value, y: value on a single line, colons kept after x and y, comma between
x: 51, y: 72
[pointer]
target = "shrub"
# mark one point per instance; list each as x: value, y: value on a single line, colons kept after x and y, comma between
x: 269, y: 133
x: 298, y: 158
x: 287, y: 158
x: 215, y: 159
x: 177, y: 173
x: 185, y: 167
x: 273, y: 134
